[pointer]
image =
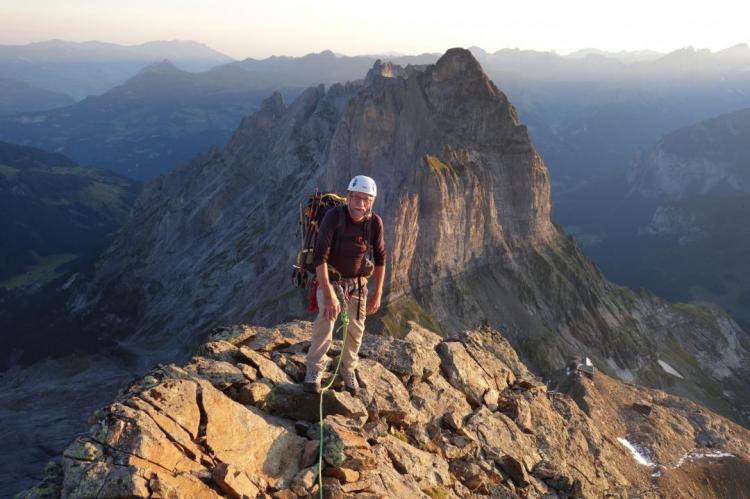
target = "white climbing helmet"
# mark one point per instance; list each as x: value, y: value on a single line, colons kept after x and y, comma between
x: 361, y: 183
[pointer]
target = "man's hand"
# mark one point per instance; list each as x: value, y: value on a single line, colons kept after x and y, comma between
x: 373, y: 304
x: 331, y: 306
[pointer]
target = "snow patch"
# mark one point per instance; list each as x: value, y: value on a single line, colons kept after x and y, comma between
x: 695, y: 454
x: 669, y: 369
x: 638, y: 453
x: 69, y: 281
x: 623, y: 373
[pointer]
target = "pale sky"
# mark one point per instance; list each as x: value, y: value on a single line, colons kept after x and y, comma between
x: 242, y: 28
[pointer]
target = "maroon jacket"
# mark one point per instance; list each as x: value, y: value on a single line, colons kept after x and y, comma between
x: 341, y: 242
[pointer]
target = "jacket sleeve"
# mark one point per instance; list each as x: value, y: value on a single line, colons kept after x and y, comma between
x: 325, y: 238
x: 378, y: 243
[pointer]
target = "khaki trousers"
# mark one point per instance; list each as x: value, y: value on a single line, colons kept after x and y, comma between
x: 322, y: 333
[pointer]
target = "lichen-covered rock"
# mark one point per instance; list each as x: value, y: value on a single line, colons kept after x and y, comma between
x: 344, y: 445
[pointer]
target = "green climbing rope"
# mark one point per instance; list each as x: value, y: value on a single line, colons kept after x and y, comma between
x: 344, y: 316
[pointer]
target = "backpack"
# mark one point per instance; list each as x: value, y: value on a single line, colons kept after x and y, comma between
x: 310, y: 219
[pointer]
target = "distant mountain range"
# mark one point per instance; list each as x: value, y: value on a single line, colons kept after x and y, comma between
x: 160, y: 117
x: 92, y: 68
x: 18, y: 96
x: 676, y: 222
x: 588, y: 113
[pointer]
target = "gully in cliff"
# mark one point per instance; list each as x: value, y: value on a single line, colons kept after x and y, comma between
x: 343, y: 246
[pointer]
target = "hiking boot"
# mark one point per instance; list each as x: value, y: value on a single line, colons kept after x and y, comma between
x: 350, y: 382
x: 312, y: 380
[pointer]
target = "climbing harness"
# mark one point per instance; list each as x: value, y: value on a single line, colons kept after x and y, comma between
x: 344, y: 319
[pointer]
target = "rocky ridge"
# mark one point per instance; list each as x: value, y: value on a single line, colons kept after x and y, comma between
x: 436, y: 417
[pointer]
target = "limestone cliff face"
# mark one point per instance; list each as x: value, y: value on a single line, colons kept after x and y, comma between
x: 435, y: 417
x: 459, y: 182
x: 466, y: 203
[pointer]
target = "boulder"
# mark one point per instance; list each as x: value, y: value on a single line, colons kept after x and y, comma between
x: 233, y: 482
x: 435, y: 397
x: 255, y: 393
x: 265, y: 366
x: 476, y: 475
x: 464, y: 373
x: 343, y: 445
x: 515, y: 469
x: 261, y: 446
x: 500, y: 436
x: 427, y: 469
x: 292, y: 401
x: 132, y: 437
x: 343, y: 475
x: 495, y: 344
x: 219, y: 350
x: 251, y: 374
x: 283, y: 335
x: 383, y: 393
x: 219, y: 373
x: 234, y: 334
x: 387, y: 482
x: 177, y: 399
x: 291, y: 368
x: 399, y: 356
x: 420, y: 336
x: 306, y: 477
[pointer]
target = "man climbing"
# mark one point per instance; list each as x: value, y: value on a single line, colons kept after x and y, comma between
x: 346, y: 235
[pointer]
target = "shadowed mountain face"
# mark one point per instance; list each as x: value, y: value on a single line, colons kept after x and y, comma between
x: 677, y: 223
x: 466, y: 201
x: 18, y: 96
x: 52, y: 206
x: 56, y: 217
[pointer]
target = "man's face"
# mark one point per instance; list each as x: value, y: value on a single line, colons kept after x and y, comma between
x: 359, y: 205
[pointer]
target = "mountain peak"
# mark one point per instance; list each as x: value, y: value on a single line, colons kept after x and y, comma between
x: 385, y: 69
x: 274, y: 103
x: 162, y: 67
x: 459, y: 63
